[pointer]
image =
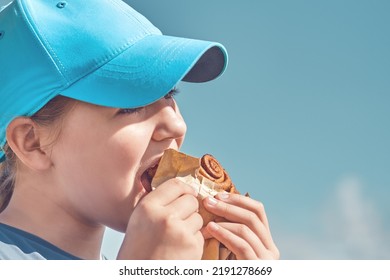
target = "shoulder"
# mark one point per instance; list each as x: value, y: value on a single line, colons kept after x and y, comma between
x: 13, y: 252
x: 10, y: 245
x: 16, y: 244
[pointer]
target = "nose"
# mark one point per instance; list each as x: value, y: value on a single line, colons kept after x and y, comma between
x: 170, y: 124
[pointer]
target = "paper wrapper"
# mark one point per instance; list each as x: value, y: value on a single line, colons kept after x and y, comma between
x: 189, y: 169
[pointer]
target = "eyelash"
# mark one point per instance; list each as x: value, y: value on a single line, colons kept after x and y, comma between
x: 173, y: 92
x: 169, y: 95
x: 129, y: 110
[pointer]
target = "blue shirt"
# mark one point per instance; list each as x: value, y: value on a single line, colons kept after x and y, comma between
x: 16, y: 244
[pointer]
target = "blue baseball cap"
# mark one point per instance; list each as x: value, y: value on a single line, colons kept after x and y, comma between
x: 101, y: 52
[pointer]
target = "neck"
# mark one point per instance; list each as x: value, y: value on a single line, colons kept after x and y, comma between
x: 34, y: 209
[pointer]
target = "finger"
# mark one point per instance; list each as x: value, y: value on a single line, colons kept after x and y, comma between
x: 231, y: 212
x: 170, y: 190
x: 183, y: 206
x: 240, y: 215
x: 194, y: 222
x: 234, y: 243
x: 248, y: 235
x: 246, y: 203
x: 206, y: 234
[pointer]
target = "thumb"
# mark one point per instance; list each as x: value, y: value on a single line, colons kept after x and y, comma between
x: 206, y: 234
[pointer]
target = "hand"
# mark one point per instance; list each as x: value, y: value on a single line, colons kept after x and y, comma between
x: 246, y: 232
x: 165, y: 225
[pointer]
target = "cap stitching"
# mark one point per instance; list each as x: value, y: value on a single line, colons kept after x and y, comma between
x: 160, y: 52
x: 107, y: 59
x: 120, y: 50
x: 38, y: 37
x: 178, y: 49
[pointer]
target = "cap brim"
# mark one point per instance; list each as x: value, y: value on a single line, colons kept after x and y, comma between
x: 149, y: 69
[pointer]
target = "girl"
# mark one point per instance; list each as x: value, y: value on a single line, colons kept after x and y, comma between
x: 86, y: 108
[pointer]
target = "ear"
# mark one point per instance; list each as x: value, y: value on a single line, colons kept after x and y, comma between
x: 25, y: 139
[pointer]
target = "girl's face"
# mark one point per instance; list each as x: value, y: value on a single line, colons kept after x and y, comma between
x: 102, y: 152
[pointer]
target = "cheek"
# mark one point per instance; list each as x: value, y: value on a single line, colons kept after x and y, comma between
x: 98, y: 173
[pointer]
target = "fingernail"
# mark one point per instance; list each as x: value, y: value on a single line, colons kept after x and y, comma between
x: 223, y: 196
x: 212, y: 201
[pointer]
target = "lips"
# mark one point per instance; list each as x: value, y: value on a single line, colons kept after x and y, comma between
x: 147, y: 177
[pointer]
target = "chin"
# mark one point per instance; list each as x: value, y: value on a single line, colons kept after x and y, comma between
x: 119, y: 218
x: 120, y: 226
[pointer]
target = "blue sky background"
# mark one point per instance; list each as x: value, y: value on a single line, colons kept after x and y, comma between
x: 300, y: 119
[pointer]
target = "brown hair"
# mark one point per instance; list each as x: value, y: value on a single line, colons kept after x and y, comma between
x: 50, y: 115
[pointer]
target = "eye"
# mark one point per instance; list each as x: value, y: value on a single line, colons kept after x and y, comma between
x: 172, y: 93
x: 129, y: 111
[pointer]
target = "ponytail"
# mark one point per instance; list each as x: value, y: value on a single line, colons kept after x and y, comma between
x: 7, y: 177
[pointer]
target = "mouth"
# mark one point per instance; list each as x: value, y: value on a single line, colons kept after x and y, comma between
x: 147, y: 177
